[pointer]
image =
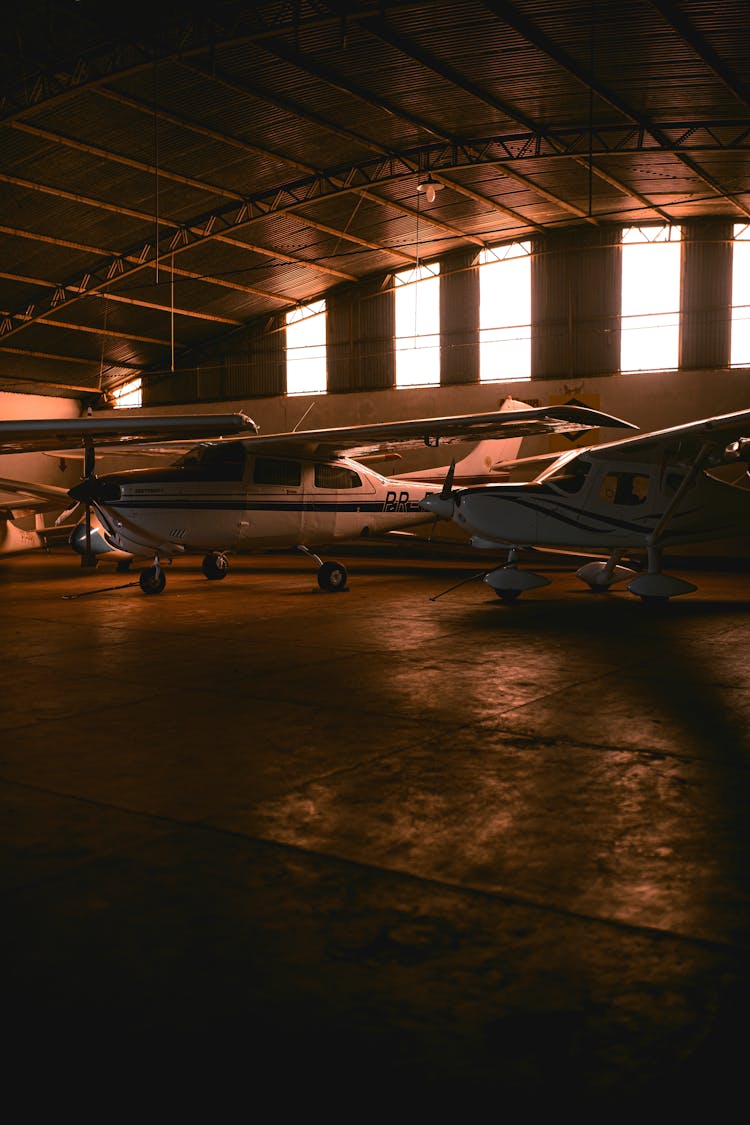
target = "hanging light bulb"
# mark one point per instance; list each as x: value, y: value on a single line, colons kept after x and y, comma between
x: 428, y: 187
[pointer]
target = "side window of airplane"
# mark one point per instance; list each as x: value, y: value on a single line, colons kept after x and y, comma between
x: 225, y: 461
x: 273, y: 470
x: 624, y: 488
x: 336, y: 476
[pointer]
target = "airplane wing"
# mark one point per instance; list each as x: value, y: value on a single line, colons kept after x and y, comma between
x: 50, y: 492
x: 364, y: 441
x: 111, y: 433
x: 682, y: 444
x: 24, y: 436
x: 26, y: 498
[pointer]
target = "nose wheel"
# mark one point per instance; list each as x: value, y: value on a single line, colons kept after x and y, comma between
x: 152, y: 579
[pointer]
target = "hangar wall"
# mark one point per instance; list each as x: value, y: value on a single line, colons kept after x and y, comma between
x: 575, y: 349
x: 575, y: 312
x: 35, y: 466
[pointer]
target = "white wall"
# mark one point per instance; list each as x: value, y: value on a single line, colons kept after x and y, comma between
x: 37, y: 467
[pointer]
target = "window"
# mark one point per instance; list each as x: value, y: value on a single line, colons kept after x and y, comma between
x: 272, y: 470
x: 129, y: 394
x: 336, y: 476
x: 417, y: 294
x: 306, y: 350
x: 505, y: 312
x: 624, y: 488
x: 740, y: 349
x: 650, y: 313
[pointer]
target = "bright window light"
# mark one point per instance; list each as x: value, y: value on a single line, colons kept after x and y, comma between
x: 650, y: 314
x: 740, y: 350
x: 306, y: 350
x: 417, y: 293
x: 505, y: 313
x: 129, y: 394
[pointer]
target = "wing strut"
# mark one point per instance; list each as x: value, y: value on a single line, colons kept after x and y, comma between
x: 655, y: 586
x: 692, y: 473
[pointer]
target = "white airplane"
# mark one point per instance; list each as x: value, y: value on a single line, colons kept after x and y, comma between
x: 638, y: 494
x: 26, y: 502
x: 289, y: 490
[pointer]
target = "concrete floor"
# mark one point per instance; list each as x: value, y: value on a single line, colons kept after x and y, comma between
x: 372, y: 842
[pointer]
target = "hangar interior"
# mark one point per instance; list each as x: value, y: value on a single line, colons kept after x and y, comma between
x: 404, y: 838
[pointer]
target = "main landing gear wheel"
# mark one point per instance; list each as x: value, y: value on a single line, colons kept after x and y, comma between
x: 215, y: 567
x: 332, y: 577
x: 152, y: 580
x: 508, y: 595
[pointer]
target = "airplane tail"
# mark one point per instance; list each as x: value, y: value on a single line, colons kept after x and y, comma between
x: 478, y: 462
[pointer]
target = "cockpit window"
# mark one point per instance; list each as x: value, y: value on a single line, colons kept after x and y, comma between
x: 336, y: 476
x: 571, y: 477
x: 225, y: 461
x: 274, y: 470
x: 624, y: 488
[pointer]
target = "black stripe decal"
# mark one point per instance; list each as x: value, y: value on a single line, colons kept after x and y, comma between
x: 266, y: 506
x: 548, y: 512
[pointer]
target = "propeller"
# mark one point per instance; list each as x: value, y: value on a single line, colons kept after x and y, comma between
x: 83, y: 493
x: 442, y: 503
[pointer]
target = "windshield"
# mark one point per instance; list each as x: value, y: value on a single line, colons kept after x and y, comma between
x: 222, y: 461
x: 571, y: 476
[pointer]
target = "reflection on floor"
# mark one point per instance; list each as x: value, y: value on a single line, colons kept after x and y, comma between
x: 378, y: 841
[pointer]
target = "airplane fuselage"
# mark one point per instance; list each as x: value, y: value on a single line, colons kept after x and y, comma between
x: 611, y: 505
x: 260, y: 503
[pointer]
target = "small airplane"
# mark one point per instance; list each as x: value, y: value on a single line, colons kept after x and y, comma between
x: 27, y: 499
x: 638, y: 494
x: 235, y: 490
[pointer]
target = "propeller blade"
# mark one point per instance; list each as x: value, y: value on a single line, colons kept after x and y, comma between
x: 68, y: 514
x: 445, y: 492
x: 442, y: 504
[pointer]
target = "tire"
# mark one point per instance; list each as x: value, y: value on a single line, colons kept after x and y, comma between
x: 332, y: 577
x: 215, y: 567
x: 152, y: 581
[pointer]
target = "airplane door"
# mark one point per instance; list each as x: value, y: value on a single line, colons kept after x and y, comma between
x: 339, y: 499
x: 273, y: 503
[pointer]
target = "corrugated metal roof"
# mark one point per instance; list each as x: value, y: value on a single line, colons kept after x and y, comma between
x: 269, y: 152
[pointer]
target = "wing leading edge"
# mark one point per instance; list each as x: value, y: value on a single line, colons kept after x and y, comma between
x: 681, y: 443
